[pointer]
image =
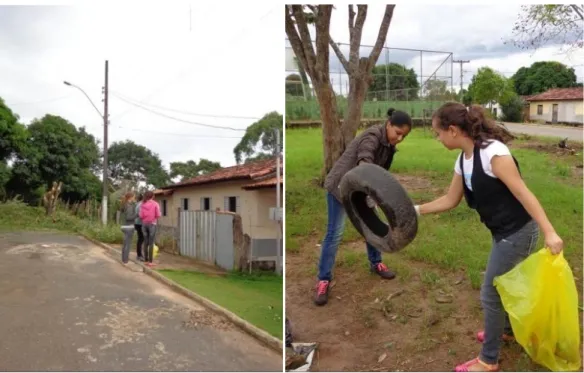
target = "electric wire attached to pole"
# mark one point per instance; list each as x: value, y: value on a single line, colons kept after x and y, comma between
x: 461, y: 62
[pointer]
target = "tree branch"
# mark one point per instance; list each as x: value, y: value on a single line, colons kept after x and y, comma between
x: 351, y: 21
x: 298, y: 46
x: 578, y: 11
x: 355, y: 42
x: 340, y: 55
x: 323, y: 22
x: 302, y: 26
x: 383, y: 29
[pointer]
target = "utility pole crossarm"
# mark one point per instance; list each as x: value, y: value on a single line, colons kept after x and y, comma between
x: 461, y: 62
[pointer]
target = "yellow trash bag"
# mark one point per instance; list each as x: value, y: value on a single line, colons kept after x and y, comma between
x: 154, y: 252
x: 540, y: 296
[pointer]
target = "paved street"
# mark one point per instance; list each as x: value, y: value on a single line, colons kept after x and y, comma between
x: 574, y: 134
x: 66, y: 305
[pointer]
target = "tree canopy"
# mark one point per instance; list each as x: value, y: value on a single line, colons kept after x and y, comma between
x: 541, y: 76
x: 488, y: 87
x: 135, y: 163
x: 56, y: 151
x: 259, y: 141
x: 189, y: 169
x: 548, y: 24
x: 393, y: 82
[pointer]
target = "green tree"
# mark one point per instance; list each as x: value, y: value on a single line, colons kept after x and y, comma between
x: 436, y: 90
x: 55, y: 151
x: 541, y: 76
x: 12, y: 138
x: 135, y: 163
x: 488, y: 87
x: 12, y: 133
x: 259, y: 141
x: 513, y: 109
x: 394, y: 82
x: 542, y: 24
x: 189, y: 169
x: 312, y: 51
x: 294, y: 85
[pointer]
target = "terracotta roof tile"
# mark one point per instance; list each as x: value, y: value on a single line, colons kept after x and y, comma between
x: 163, y: 192
x: 240, y: 172
x: 559, y: 94
x: 267, y: 183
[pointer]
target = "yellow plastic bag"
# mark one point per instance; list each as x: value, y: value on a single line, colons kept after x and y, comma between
x: 154, y: 251
x: 540, y: 296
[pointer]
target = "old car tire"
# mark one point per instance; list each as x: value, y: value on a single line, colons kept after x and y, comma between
x: 371, y: 180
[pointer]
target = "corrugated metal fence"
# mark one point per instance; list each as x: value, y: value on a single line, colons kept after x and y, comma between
x: 207, y: 236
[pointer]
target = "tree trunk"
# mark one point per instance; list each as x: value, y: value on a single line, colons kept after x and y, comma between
x: 332, y: 138
x: 357, y: 90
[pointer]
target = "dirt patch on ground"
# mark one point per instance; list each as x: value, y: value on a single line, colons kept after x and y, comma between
x: 572, y: 148
x: 200, y: 318
x: 424, y: 320
x: 413, y: 183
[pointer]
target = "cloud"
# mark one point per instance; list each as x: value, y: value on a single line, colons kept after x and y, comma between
x: 470, y: 32
x: 223, y: 63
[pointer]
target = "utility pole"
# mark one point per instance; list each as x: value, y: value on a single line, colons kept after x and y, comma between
x: 278, y: 212
x: 461, y: 62
x: 105, y: 163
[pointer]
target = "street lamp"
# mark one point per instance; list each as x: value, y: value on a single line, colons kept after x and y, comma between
x: 105, y: 124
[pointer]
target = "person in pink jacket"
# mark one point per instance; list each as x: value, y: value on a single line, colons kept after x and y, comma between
x: 149, y: 213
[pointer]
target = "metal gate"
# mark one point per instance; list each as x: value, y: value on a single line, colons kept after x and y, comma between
x: 208, y: 237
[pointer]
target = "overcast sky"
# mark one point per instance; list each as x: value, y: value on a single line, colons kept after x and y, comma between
x: 213, y: 62
x: 469, y: 32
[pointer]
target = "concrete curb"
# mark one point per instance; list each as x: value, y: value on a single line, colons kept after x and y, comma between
x: 259, y: 334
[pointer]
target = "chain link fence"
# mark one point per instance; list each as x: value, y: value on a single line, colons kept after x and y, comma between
x: 413, y: 80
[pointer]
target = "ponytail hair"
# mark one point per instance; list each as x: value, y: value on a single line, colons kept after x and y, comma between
x: 399, y: 118
x: 473, y: 122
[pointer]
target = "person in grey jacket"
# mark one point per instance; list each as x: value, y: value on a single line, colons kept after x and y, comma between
x: 129, y: 215
x: 374, y: 145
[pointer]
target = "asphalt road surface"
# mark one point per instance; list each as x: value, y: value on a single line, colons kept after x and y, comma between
x: 574, y: 134
x: 66, y: 305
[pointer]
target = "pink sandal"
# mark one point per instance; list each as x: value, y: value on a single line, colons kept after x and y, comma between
x: 466, y: 366
x: 504, y: 337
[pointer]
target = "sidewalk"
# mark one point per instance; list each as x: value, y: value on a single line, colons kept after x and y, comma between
x: 177, y: 262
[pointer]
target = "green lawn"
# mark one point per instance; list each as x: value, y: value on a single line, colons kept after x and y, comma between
x: 255, y: 298
x: 451, y: 240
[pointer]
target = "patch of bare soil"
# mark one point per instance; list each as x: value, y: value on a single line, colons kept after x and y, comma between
x: 200, y: 318
x: 424, y: 320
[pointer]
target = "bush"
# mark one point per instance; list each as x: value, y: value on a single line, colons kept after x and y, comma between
x: 513, y: 110
x: 16, y: 215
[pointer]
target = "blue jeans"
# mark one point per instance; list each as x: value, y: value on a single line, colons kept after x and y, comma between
x: 334, y: 235
x: 505, y: 255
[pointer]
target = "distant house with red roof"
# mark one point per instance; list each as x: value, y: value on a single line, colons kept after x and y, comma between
x: 557, y: 105
x: 248, y: 190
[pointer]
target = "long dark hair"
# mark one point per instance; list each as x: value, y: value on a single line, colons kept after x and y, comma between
x: 399, y: 118
x: 473, y: 122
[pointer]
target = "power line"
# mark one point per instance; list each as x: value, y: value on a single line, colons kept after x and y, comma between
x: 178, y: 134
x: 117, y: 94
x: 179, y: 119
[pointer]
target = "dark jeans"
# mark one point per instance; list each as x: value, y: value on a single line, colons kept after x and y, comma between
x: 334, y: 234
x: 140, y: 243
x: 505, y: 255
x: 128, y: 234
x: 149, y: 235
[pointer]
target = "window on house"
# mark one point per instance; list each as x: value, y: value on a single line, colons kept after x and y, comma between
x: 185, y: 204
x: 539, y: 109
x: 231, y: 204
x: 164, y: 207
x: 205, y: 203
